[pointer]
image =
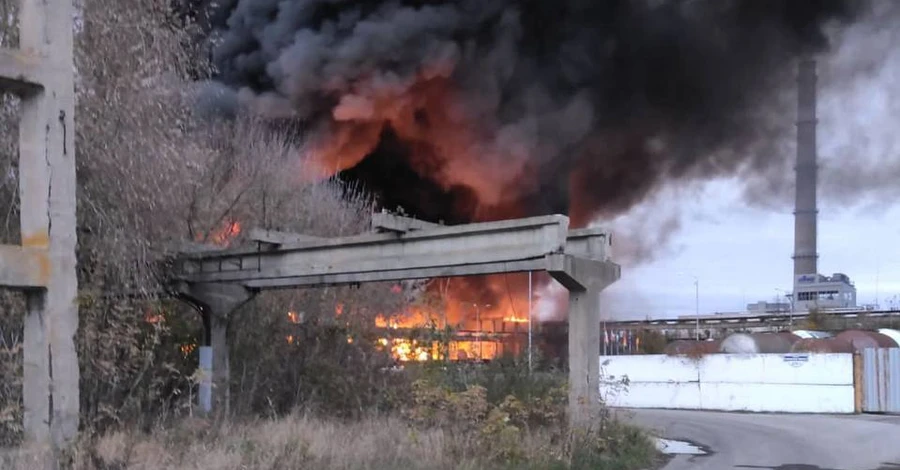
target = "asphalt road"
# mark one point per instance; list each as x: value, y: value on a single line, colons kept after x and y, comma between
x: 776, y: 441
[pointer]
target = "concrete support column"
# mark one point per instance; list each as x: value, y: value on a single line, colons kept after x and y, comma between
x: 584, y: 279
x: 217, y: 335
x: 216, y: 302
x: 36, y: 371
x: 42, y: 73
x: 584, y: 357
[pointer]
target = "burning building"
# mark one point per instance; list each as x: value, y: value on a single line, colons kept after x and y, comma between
x: 477, y: 330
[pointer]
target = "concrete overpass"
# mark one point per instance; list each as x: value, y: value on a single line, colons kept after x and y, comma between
x: 219, y: 281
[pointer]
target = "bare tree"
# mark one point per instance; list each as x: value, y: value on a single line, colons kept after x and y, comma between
x: 152, y: 175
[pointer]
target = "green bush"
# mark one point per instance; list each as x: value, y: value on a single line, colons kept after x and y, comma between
x: 501, y: 377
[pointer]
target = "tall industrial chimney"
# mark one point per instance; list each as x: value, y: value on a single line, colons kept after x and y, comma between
x: 805, y: 212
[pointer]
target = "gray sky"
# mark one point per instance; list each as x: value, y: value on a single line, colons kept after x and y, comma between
x: 742, y: 254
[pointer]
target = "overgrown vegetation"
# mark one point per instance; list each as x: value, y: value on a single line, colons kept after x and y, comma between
x: 310, y: 386
x: 652, y: 342
x: 300, y: 441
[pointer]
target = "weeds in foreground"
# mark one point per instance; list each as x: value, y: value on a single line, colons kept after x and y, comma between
x: 439, y: 427
x: 300, y: 441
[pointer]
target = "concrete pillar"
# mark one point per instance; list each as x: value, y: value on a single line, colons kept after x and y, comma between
x: 36, y: 372
x: 47, y: 192
x: 584, y: 279
x: 217, y: 335
x: 584, y: 356
x: 216, y: 303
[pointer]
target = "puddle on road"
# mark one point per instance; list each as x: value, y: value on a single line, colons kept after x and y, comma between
x: 673, y: 447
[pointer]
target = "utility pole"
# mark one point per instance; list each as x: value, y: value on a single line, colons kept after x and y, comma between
x: 530, y: 317
x: 697, y: 305
x: 478, y: 321
x: 790, y: 298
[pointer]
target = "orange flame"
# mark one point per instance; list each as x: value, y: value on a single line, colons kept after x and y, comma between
x: 222, y: 236
x: 153, y: 318
x: 405, y: 350
x: 515, y: 319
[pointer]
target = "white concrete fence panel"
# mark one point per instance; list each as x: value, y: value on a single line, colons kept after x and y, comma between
x: 794, y: 383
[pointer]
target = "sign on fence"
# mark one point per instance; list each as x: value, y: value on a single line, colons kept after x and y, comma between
x: 796, y: 360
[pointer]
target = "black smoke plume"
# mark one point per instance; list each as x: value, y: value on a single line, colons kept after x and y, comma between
x: 478, y: 109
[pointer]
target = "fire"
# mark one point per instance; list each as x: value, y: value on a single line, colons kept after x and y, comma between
x: 473, y: 321
x: 415, y: 318
x: 153, y: 317
x: 406, y: 350
x: 469, y: 350
x: 479, y: 330
x: 223, y: 235
x: 514, y: 319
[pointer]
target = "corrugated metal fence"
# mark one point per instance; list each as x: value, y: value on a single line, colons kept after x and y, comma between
x: 881, y: 380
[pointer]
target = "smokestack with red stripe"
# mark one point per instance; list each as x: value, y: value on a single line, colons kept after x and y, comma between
x: 805, y: 211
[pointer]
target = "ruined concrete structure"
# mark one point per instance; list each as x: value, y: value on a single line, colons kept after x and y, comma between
x: 41, y: 72
x: 220, y: 281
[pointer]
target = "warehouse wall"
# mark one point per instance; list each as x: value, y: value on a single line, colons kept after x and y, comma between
x: 793, y: 383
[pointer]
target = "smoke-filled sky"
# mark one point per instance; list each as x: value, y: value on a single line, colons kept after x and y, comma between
x: 483, y: 109
x: 740, y: 252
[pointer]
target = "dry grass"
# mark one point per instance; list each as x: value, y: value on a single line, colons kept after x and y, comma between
x: 300, y: 442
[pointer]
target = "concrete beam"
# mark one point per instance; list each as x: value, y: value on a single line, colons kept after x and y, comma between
x: 21, y: 72
x: 482, y: 248
x: 591, y: 243
x: 274, y: 237
x: 581, y: 274
x: 387, y: 222
x: 24, y: 267
x: 348, y: 276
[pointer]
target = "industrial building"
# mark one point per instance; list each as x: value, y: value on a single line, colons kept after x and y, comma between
x: 818, y: 291
x: 768, y: 307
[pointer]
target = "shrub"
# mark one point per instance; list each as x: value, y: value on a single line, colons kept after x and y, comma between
x: 652, y: 342
x: 302, y: 441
